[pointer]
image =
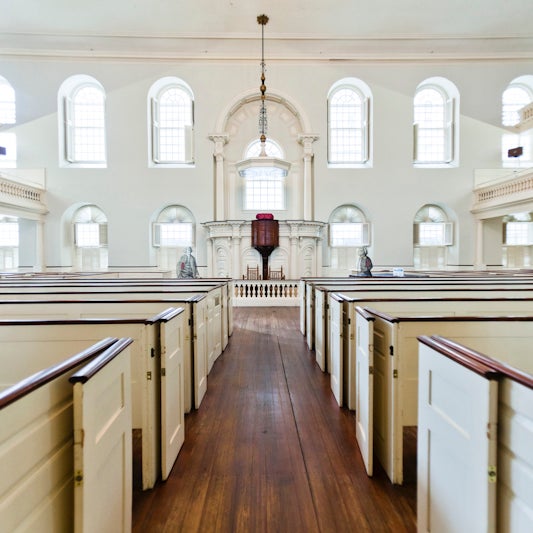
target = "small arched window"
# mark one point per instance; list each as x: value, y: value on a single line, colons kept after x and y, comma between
x: 348, y: 228
x: 9, y: 243
x: 90, y: 238
x: 172, y: 122
x: 431, y: 227
x: 82, y: 111
x: 172, y: 232
x: 349, y: 123
x: 8, y: 141
x: 435, y: 110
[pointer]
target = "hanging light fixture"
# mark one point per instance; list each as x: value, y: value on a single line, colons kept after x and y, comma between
x: 263, y: 119
x: 263, y: 163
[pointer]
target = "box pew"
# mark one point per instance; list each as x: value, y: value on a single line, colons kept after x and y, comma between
x: 195, y: 354
x: 37, y: 435
x: 307, y: 287
x: 318, y: 332
x: 392, y: 369
x: 153, y: 338
x: 339, y: 358
x: 214, y: 302
x: 212, y: 286
x: 474, y: 465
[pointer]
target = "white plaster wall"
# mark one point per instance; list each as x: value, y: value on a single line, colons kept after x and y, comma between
x: 130, y: 193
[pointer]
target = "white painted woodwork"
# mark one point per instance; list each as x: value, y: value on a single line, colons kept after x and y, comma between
x: 320, y: 333
x: 364, y: 377
x: 200, y: 352
x: 457, y: 437
x: 172, y: 393
x: 398, y: 396
x: 336, y: 370
x: 103, y: 449
x: 36, y: 452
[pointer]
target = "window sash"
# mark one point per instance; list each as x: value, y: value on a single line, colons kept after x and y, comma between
x: 264, y: 192
x: 433, y: 234
x: 349, y: 234
x: 172, y: 234
x: 90, y: 235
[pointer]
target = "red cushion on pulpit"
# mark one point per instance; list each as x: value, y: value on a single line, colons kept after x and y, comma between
x: 264, y: 216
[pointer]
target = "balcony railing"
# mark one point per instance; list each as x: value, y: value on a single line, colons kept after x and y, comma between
x: 266, y: 293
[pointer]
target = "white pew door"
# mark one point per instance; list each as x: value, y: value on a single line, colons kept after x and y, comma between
x: 172, y: 393
x: 364, y: 390
x: 319, y: 337
x: 457, y: 442
x: 335, y: 351
x: 199, y: 320
x: 103, y: 445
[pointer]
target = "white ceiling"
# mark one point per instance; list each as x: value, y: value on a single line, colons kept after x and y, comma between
x: 317, y: 29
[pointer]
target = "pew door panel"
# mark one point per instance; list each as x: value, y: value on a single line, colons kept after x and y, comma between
x: 335, y: 349
x: 310, y: 316
x: 199, y: 352
x: 103, y: 448
x: 172, y: 393
x: 457, y: 446
x: 364, y: 408
x: 319, y: 336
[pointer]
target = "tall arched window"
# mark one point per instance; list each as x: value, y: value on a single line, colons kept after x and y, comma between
x: 8, y: 141
x: 172, y: 122
x: 349, y: 107
x: 432, y: 233
x: 82, y: 116
x: 264, y: 185
x: 90, y: 239
x: 518, y: 94
x: 348, y: 231
x: 435, y: 117
x: 172, y: 232
x: 9, y: 243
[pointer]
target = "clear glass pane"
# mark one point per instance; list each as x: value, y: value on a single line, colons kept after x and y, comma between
x: 179, y: 234
x: 87, y: 234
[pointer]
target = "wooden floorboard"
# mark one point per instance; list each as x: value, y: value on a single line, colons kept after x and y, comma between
x: 269, y: 450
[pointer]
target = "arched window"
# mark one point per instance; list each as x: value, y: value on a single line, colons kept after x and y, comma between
x: 172, y: 122
x: 435, y: 116
x: 264, y: 185
x: 517, y: 240
x: 82, y: 115
x: 348, y: 231
x: 90, y: 239
x: 432, y: 233
x: 173, y: 230
x: 9, y: 243
x: 8, y: 141
x: 349, y: 123
x: 518, y: 94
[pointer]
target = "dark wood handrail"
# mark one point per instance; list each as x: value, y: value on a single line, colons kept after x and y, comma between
x: 88, y: 371
x: 507, y: 370
x: 460, y: 357
x: 33, y: 382
x: 364, y: 313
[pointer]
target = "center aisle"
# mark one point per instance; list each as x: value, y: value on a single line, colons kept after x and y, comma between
x: 270, y: 450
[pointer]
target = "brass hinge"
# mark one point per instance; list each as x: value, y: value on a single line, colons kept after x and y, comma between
x: 152, y: 352
x: 395, y: 373
x: 391, y: 350
x: 492, y: 474
x: 163, y: 372
x: 149, y: 375
x: 78, y: 478
x: 370, y: 370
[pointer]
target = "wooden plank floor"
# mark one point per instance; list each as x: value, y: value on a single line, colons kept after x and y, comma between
x: 269, y: 450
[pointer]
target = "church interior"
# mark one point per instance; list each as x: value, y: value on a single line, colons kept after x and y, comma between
x: 387, y: 126
x: 266, y: 266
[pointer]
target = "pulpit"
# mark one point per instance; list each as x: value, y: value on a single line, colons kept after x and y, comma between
x: 265, y: 237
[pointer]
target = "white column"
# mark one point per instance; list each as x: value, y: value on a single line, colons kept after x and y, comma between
x: 478, y: 246
x: 235, y: 243
x: 220, y: 139
x: 39, y: 245
x: 307, y: 140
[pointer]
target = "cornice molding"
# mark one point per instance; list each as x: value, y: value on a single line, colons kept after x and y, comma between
x: 235, y: 48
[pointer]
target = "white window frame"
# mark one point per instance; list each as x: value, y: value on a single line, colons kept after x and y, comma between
x: 8, y: 107
x: 442, y: 232
x: 518, y: 233
x: 159, y: 229
x: 184, y: 129
x: 99, y: 235
x: 360, y: 129
x: 70, y: 124
x: 356, y: 234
